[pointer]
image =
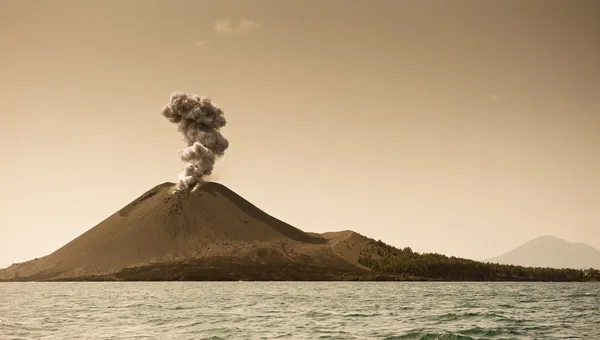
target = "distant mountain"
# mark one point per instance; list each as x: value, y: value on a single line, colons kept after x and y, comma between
x: 551, y: 252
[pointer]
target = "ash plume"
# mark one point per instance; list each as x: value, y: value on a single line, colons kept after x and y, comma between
x: 198, y: 119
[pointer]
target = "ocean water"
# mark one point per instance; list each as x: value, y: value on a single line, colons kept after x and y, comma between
x: 299, y: 310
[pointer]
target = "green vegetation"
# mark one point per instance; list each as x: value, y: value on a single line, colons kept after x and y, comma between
x: 389, y: 260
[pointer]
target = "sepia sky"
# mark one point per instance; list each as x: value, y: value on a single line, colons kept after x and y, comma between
x: 459, y: 127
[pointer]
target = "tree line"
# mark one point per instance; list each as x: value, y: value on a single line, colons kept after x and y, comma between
x: 408, y: 264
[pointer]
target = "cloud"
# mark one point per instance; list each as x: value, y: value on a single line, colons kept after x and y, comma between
x: 228, y: 26
x: 249, y: 25
x: 200, y: 43
x: 494, y: 97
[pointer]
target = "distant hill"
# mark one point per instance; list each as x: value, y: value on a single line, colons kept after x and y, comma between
x: 551, y: 252
x: 212, y: 233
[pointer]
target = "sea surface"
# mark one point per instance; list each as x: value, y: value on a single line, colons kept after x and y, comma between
x: 299, y: 310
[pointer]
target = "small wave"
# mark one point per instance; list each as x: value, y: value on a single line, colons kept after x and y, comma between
x: 189, y: 325
x: 582, y: 295
x: 448, y: 317
x: 359, y: 315
x: 317, y: 314
x: 453, y: 316
x: 482, y: 332
x: 179, y: 308
x: 486, y: 315
x: 429, y: 336
x: 157, y: 321
x: 133, y: 305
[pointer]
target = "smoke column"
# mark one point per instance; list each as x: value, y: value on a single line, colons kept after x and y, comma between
x: 198, y: 120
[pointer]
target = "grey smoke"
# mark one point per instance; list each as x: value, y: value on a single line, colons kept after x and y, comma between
x: 198, y: 119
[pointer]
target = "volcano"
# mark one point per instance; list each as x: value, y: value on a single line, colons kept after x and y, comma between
x: 210, y: 233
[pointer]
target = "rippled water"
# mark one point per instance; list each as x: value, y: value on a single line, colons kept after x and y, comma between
x: 253, y: 310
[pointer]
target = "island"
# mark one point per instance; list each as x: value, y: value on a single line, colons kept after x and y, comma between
x: 210, y: 233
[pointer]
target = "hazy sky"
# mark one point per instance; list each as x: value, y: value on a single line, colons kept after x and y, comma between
x: 459, y: 127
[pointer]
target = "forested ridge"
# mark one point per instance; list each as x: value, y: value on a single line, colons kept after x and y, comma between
x: 408, y: 264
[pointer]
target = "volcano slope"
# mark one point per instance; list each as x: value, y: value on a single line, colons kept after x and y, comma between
x: 210, y: 233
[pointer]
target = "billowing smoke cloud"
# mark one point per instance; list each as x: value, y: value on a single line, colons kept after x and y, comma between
x: 198, y: 120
